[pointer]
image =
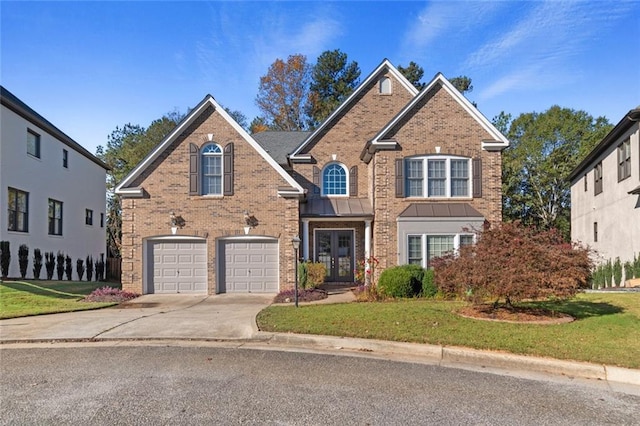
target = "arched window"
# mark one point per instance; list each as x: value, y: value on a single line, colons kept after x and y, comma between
x: 211, y: 170
x: 384, y: 86
x: 334, y: 180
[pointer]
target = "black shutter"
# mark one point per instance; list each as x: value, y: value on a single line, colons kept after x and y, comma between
x: 477, y: 177
x: 399, y: 177
x: 227, y: 188
x: 316, y: 180
x: 194, y: 176
x: 353, y: 181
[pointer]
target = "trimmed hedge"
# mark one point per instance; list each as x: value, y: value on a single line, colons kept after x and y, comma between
x: 429, y: 288
x: 401, y: 281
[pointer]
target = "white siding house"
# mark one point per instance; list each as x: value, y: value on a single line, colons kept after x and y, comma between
x: 605, y: 193
x: 52, y: 190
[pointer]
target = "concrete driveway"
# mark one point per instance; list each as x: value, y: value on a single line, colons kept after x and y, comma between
x: 152, y: 316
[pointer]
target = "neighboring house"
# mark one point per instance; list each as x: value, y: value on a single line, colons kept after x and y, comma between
x: 53, y: 190
x: 391, y: 173
x: 605, y: 193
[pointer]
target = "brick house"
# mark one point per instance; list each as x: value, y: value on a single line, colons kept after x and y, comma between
x: 391, y: 173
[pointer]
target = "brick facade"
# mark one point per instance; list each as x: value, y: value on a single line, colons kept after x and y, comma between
x: 438, y: 120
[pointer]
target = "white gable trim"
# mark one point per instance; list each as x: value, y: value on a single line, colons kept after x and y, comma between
x: 384, y: 65
x: 500, y: 142
x: 123, y: 187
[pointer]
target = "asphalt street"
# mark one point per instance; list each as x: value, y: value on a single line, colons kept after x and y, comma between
x: 162, y: 385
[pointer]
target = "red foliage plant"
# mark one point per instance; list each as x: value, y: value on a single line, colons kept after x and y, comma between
x: 513, y: 262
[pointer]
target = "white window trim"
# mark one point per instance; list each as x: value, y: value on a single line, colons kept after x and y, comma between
x: 423, y: 244
x: 346, y: 171
x: 202, y: 175
x: 425, y: 177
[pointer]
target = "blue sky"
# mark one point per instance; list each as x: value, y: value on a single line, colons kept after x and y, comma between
x: 89, y: 66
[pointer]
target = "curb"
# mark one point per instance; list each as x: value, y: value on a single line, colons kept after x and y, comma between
x: 456, y: 356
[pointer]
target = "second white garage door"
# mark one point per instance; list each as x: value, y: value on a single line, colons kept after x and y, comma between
x: 250, y: 267
x: 178, y: 267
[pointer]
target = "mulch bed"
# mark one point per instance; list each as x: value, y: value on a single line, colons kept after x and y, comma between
x: 515, y: 314
x: 288, y: 296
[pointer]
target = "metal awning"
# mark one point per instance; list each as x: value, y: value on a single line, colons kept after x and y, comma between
x: 337, y: 207
x: 440, y: 210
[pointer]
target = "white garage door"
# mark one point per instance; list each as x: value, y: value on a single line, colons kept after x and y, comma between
x: 250, y: 267
x: 178, y: 267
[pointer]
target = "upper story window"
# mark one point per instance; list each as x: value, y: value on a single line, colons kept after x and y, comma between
x: 597, y: 178
x: 334, y: 180
x: 18, y: 211
x: 212, y: 170
x: 88, y: 217
x: 33, y: 144
x: 624, y: 160
x: 65, y: 158
x: 384, y: 86
x: 55, y: 217
x: 438, y: 177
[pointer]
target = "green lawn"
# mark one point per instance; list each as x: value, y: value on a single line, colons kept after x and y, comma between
x: 24, y: 298
x: 606, y: 329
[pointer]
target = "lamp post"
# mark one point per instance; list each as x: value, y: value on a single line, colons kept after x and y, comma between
x: 295, y: 241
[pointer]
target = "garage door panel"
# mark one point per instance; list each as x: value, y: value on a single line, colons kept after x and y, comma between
x: 178, y: 267
x: 251, y: 267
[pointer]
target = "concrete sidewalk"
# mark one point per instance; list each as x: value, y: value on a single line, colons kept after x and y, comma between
x: 231, y: 318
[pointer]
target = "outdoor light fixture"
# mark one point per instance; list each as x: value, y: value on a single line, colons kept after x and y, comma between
x: 295, y: 241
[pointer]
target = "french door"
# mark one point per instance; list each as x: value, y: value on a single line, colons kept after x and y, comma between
x: 335, y: 249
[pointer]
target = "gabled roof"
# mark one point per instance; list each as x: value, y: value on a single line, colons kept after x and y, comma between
x: 384, y: 66
x: 124, y: 189
x: 382, y: 141
x: 12, y: 102
x: 280, y: 144
x: 630, y: 118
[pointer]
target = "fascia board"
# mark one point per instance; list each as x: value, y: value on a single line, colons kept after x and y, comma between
x: 502, y: 141
x: 208, y: 100
x: 385, y: 64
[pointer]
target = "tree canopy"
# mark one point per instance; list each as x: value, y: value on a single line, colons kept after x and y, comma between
x: 284, y: 92
x: 126, y: 147
x: 544, y: 149
x: 414, y: 73
x: 333, y: 79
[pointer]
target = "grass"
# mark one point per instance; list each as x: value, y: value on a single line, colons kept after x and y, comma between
x: 25, y: 298
x: 606, y: 329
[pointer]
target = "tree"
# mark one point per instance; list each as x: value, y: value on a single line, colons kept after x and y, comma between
x: 545, y: 148
x: 333, y: 79
x: 258, y: 124
x: 462, y: 83
x: 414, y: 73
x: 513, y: 262
x: 126, y: 147
x: 238, y: 116
x: 284, y: 92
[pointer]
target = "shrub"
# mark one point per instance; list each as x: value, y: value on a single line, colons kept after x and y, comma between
x: 617, y: 272
x: 368, y: 293
x: 109, y: 294
x: 636, y: 266
x: 303, y: 275
x: 23, y: 259
x: 608, y: 273
x: 628, y: 270
x: 512, y: 262
x: 37, y: 263
x: 5, y: 258
x: 364, y: 276
x: 316, y: 273
x: 80, y: 268
x: 89, y: 268
x: 429, y: 288
x: 49, y: 264
x: 60, y: 265
x: 68, y: 268
x: 401, y: 281
x: 99, y: 270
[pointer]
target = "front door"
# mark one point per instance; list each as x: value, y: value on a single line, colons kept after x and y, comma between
x: 334, y: 248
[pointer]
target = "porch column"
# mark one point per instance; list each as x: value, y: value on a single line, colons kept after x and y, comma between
x: 367, y: 251
x: 305, y: 239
